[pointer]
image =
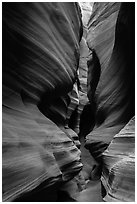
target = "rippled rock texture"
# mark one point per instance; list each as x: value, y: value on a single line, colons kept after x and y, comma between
x: 119, y: 169
x: 64, y: 83
x: 111, y: 82
x: 111, y: 88
x: 40, y: 62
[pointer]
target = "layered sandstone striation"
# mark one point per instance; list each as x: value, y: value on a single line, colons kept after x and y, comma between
x: 66, y: 85
x: 111, y: 88
x: 111, y: 82
x: 119, y: 166
x: 40, y: 62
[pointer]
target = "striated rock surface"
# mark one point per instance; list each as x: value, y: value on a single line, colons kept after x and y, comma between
x: 111, y: 82
x: 78, y: 95
x: 25, y: 26
x: 60, y: 87
x: 40, y: 61
x: 86, y: 10
x: 119, y: 166
x: 35, y: 150
x: 111, y: 88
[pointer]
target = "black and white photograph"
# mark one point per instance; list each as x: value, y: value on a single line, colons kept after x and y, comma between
x: 68, y: 101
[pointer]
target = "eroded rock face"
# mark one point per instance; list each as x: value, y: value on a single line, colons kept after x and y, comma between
x: 111, y: 83
x: 40, y: 61
x: 86, y: 10
x: 111, y: 37
x: 26, y: 40
x: 119, y: 166
x: 78, y: 95
x: 59, y: 87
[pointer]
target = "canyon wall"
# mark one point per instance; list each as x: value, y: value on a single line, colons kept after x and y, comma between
x: 66, y: 85
x: 40, y: 62
x: 111, y: 88
x: 119, y: 166
x: 111, y: 92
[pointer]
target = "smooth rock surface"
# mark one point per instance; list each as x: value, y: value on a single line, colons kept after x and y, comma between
x: 44, y: 37
x: 40, y: 61
x: 119, y: 166
x: 111, y: 37
x: 60, y: 87
x: 111, y: 91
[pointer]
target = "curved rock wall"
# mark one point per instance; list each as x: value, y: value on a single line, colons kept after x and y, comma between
x: 111, y: 37
x: 24, y: 29
x: 60, y: 87
x: 40, y: 61
x: 86, y: 10
x: 79, y: 93
x: 119, y: 166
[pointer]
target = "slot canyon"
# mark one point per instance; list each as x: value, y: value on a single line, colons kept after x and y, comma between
x: 68, y: 101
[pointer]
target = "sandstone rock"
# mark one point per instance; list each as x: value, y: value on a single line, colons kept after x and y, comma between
x: 72, y: 112
x: 40, y: 60
x: 44, y: 37
x: 119, y: 166
x: 91, y: 194
x: 78, y: 95
x: 52, y: 97
x: 86, y: 8
x: 35, y: 150
x: 111, y: 37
